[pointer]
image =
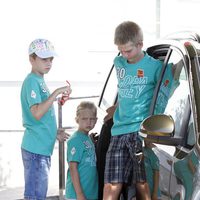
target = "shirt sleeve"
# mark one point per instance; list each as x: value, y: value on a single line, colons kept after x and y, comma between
x: 33, y: 92
x: 74, y: 150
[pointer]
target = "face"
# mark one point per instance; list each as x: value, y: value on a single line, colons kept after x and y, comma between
x: 41, y: 66
x: 86, y: 120
x: 132, y: 52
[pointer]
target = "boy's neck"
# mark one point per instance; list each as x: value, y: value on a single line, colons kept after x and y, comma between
x: 86, y: 133
x: 38, y: 74
x: 136, y: 59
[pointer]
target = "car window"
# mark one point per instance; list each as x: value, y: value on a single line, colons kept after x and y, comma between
x: 174, y: 99
x: 178, y: 100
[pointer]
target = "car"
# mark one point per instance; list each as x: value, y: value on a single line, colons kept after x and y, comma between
x: 174, y: 129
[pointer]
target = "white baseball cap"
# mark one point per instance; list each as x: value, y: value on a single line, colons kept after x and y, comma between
x: 42, y: 48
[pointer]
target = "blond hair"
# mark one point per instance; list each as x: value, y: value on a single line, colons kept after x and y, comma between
x: 86, y: 105
x: 128, y: 32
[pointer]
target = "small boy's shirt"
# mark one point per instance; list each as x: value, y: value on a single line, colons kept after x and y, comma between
x: 40, y: 135
x: 152, y: 164
x: 80, y: 149
x: 136, y: 84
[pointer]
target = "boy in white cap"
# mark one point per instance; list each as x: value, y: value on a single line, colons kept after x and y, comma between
x: 39, y: 120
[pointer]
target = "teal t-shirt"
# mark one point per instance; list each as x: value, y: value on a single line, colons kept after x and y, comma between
x: 151, y: 162
x: 80, y: 149
x: 40, y: 135
x: 136, y: 84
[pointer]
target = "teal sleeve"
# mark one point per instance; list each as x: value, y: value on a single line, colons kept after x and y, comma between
x: 32, y: 92
x: 74, y: 150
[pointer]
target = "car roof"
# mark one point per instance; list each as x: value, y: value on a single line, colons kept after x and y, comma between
x: 184, y: 35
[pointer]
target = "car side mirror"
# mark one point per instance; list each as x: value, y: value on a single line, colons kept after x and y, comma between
x: 157, y: 125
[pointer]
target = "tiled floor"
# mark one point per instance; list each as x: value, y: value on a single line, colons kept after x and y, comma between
x: 17, y: 193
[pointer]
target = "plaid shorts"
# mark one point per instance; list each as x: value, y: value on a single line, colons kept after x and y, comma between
x: 122, y: 163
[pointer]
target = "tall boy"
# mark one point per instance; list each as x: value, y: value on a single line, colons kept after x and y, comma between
x: 137, y: 75
x: 39, y: 120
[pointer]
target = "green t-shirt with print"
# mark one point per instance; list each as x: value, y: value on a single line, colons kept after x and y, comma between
x: 80, y: 149
x: 40, y: 135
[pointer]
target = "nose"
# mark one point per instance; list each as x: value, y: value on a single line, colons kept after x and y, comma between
x: 49, y: 62
x: 124, y: 54
x: 90, y: 121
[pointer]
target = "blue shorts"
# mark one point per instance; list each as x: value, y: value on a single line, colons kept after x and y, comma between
x: 36, y: 173
x: 122, y: 163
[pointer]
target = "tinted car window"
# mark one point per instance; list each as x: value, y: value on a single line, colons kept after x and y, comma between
x: 174, y: 98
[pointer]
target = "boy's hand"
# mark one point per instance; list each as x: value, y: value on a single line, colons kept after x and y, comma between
x: 62, y: 135
x: 81, y: 197
x: 64, y: 90
x: 110, y: 112
x: 154, y: 196
x: 65, y: 93
x: 94, y: 137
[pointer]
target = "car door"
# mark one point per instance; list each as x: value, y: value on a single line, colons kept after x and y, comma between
x: 175, y: 153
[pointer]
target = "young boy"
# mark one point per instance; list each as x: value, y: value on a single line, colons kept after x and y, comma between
x: 39, y: 120
x: 82, y: 179
x: 137, y: 75
x: 152, y: 165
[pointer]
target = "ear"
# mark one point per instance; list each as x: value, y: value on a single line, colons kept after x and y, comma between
x: 31, y: 59
x: 141, y: 44
x: 76, y: 119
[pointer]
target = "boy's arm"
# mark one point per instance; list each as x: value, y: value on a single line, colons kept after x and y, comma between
x: 94, y: 137
x: 38, y: 110
x: 73, y: 168
x: 154, y: 195
x: 62, y: 135
x: 110, y: 112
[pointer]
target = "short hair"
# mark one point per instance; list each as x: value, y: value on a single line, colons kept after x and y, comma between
x: 86, y: 105
x: 128, y: 32
x: 33, y: 55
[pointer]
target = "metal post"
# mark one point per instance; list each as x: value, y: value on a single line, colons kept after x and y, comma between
x: 61, y: 152
x: 157, y: 19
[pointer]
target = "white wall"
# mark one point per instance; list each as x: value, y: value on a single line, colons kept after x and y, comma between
x: 78, y: 29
